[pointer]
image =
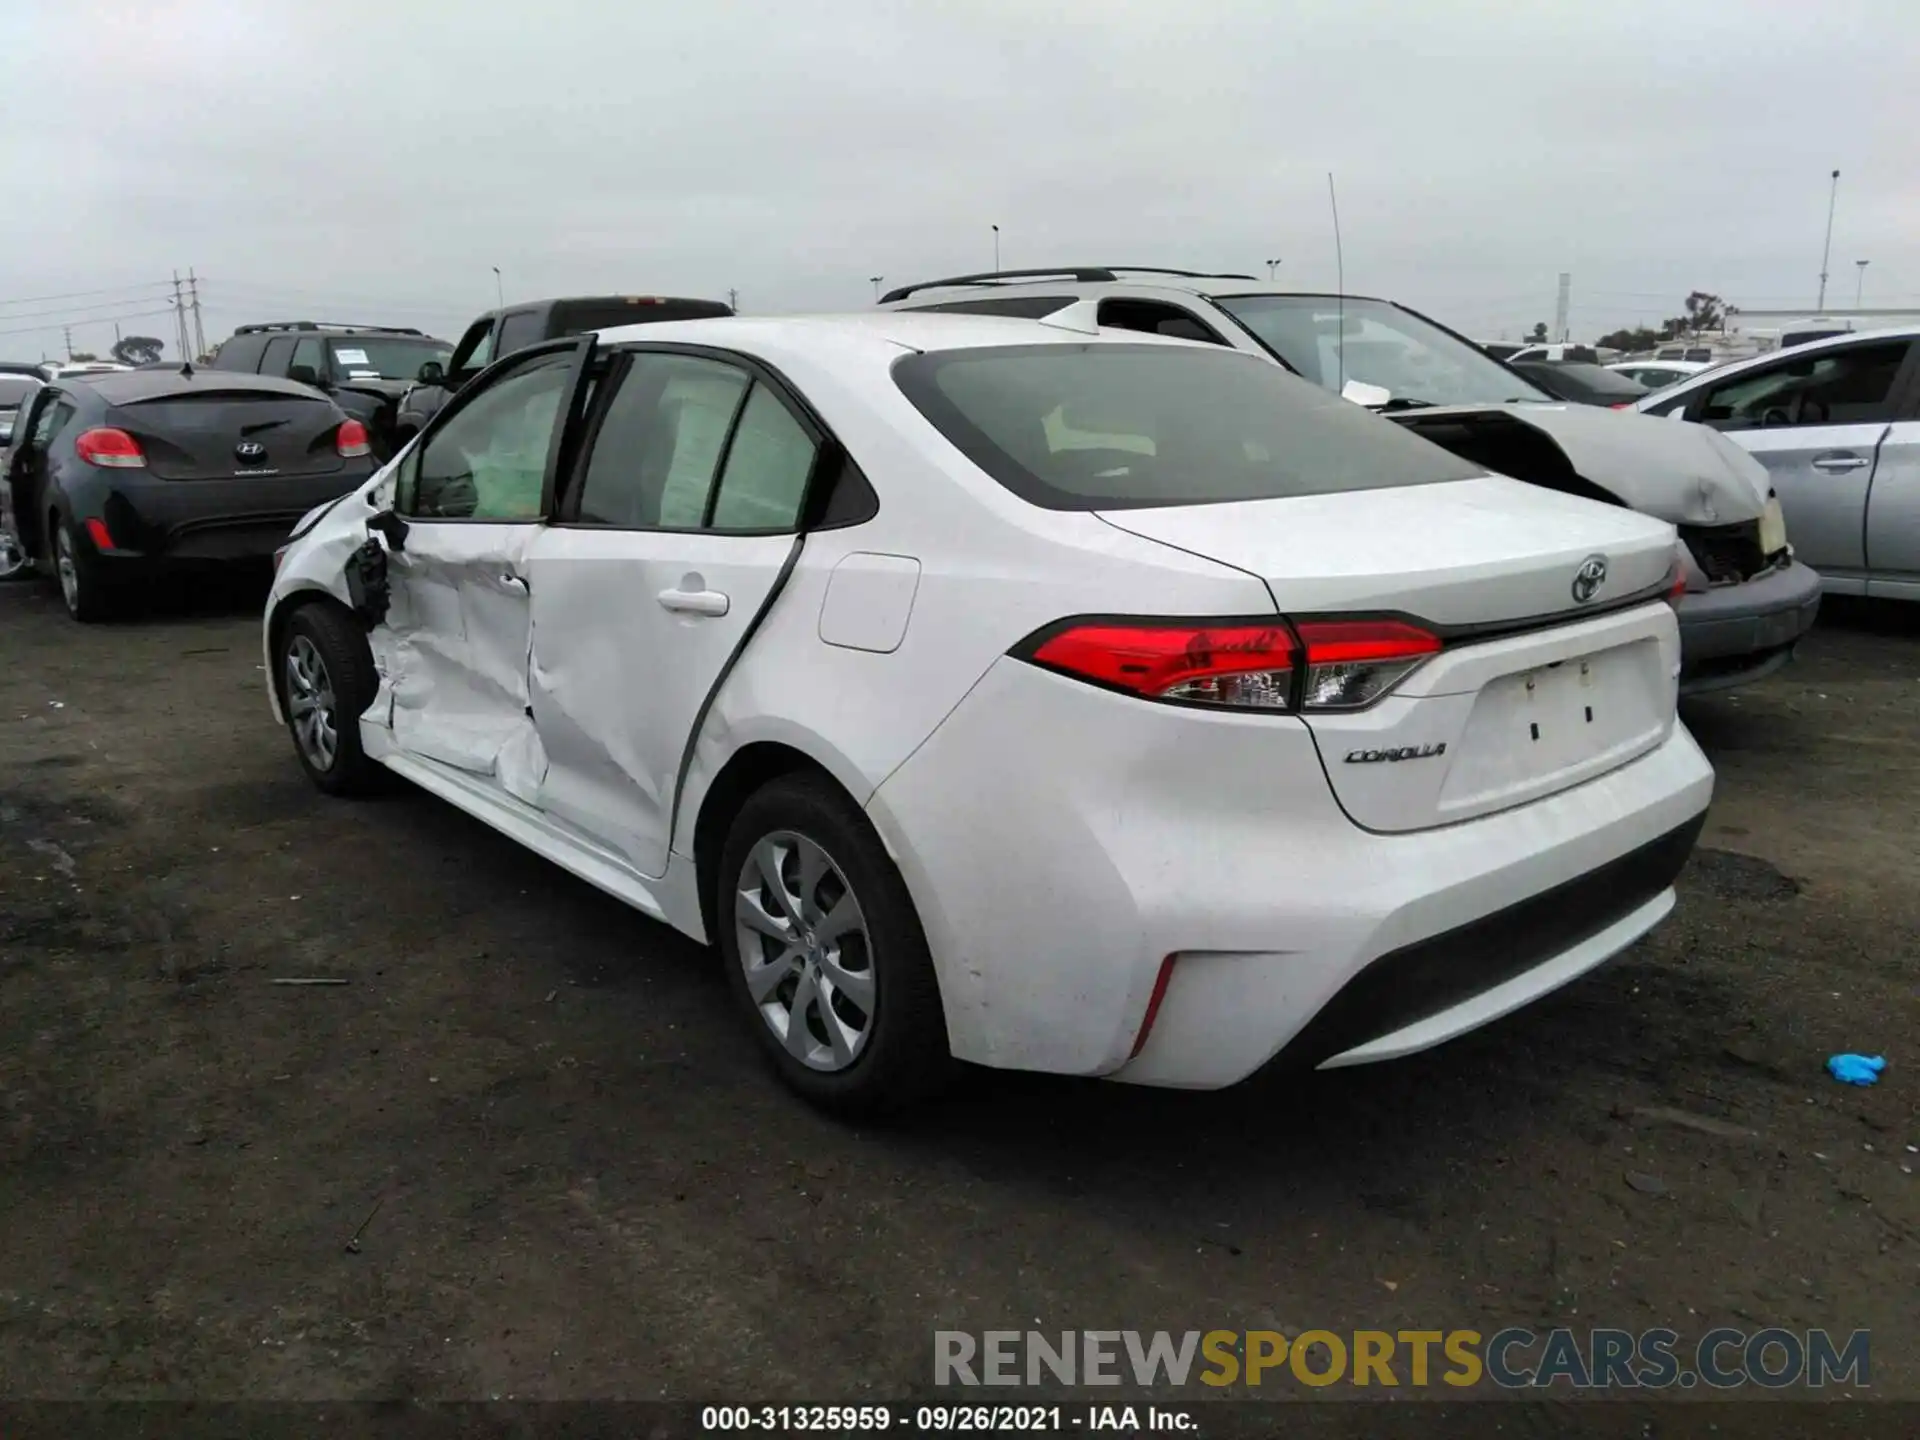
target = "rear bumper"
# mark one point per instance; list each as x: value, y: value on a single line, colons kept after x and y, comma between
x: 1737, y: 634
x: 1120, y: 833
x: 188, y: 521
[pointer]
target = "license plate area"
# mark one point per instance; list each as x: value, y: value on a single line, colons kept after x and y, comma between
x: 1554, y: 725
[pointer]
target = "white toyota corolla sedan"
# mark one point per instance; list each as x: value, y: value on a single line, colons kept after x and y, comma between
x: 996, y: 690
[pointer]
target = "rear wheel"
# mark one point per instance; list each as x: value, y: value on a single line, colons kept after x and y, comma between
x: 824, y: 952
x: 77, y: 570
x: 326, y: 678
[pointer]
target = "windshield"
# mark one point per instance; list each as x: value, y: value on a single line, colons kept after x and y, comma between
x: 381, y: 357
x: 1392, y: 349
x: 1115, y: 426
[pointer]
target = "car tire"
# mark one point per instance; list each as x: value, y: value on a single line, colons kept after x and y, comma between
x: 76, y: 570
x: 324, y: 671
x: 869, y: 963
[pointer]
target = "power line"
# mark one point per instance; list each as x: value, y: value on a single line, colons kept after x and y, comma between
x: 94, y: 320
x: 66, y: 311
x: 81, y: 294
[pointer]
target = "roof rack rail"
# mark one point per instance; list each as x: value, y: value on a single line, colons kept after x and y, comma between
x: 326, y: 325
x: 1080, y: 274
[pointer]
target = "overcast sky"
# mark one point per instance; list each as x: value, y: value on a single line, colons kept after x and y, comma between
x: 374, y: 162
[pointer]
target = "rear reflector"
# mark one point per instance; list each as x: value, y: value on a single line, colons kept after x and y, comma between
x: 110, y: 450
x: 1348, y: 663
x: 1153, y: 1005
x: 351, y: 441
x: 98, y: 533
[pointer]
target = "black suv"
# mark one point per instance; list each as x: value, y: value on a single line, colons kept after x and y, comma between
x: 514, y: 327
x: 365, y: 368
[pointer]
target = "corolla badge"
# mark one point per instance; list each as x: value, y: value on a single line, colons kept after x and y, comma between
x: 249, y: 452
x: 1396, y: 754
x: 1588, y: 579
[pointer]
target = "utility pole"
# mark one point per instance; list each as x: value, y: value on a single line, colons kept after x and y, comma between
x: 1860, y: 283
x: 876, y: 279
x: 69, y: 331
x: 1826, y: 251
x: 199, y: 335
x: 996, y: 249
x: 1560, y: 307
x: 733, y: 299
x: 180, y: 316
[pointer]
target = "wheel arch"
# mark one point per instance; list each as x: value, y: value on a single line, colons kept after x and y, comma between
x: 284, y: 608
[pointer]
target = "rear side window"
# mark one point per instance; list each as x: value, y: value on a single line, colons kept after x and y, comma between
x: 13, y: 391
x: 519, y: 331
x: 278, y: 356
x: 242, y: 352
x: 578, y: 317
x: 1101, y: 427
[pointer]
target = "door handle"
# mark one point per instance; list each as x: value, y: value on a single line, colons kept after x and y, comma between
x: 1838, y: 462
x: 694, y: 602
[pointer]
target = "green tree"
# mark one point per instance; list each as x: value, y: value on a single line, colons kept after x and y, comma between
x: 1539, y: 334
x: 138, y: 350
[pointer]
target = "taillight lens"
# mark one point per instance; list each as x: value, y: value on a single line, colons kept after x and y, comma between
x: 1248, y: 666
x: 110, y: 450
x: 351, y: 440
x: 1352, y: 663
x: 1348, y: 664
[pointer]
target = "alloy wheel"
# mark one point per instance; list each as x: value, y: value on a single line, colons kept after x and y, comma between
x: 310, y: 706
x: 67, y: 566
x: 805, y: 950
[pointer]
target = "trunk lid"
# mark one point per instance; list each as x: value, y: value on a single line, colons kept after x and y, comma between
x: 201, y: 436
x: 1534, y: 691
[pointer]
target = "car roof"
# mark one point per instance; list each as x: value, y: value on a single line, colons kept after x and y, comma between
x: 129, y: 387
x: 885, y: 333
x: 1206, y: 286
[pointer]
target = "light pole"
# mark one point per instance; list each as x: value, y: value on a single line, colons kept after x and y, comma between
x: 1272, y: 265
x: 996, y: 249
x: 1827, y: 250
x: 499, y: 289
x: 876, y: 279
x: 1860, y: 282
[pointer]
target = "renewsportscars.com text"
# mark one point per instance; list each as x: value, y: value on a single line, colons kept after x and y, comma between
x: 1512, y: 1359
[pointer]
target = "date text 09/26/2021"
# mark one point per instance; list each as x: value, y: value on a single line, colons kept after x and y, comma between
x: 946, y: 1419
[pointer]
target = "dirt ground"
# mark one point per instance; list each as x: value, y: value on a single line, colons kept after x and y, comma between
x: 570, y: 1176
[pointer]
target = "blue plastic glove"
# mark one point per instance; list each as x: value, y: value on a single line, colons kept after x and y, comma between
x: 1856, y: 1069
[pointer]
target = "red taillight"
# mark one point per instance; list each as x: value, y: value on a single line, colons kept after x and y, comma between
x: 1349, y: 663
x: 1153, y: 1006
x: 1623, y: 405
x: 98, y: 533
x: 110, y: 449
x: 1229, y: 664
x: 351, y: 440
x: 1352, y: 663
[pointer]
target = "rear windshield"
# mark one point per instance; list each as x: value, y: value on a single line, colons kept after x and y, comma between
x: 215, y: 409
x: 1599, y: 380
x: 1108, y: 427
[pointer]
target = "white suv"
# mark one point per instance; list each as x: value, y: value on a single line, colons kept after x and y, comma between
x: 1748, y: 600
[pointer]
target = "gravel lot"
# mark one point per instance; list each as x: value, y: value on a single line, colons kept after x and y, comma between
x: 571, y: 1177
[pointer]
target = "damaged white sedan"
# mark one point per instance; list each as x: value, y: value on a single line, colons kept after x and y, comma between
x: 1000, y: 691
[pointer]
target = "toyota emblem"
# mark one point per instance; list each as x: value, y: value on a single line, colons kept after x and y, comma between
x: 249, y: 452
x: 1588, y: 579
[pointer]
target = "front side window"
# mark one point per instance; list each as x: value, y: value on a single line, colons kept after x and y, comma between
x: 1834, y: 387
x: 1113, y: 426
x: 309, y: 352
x: 489, y: 461
x: 1154, y: 318
x: 1333, y: 342
x: 475, y: 347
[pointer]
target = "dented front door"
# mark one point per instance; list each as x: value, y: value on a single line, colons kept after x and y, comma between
x: 453, y: 648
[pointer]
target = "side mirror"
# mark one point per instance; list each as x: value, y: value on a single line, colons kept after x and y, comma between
x: 432, y: 373
x: 305, y: 374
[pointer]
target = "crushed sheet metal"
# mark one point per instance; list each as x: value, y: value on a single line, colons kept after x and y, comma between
x: 1683, y: 474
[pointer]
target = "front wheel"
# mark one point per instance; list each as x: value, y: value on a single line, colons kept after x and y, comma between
x: 825, y: 954
x: 326, y: 677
